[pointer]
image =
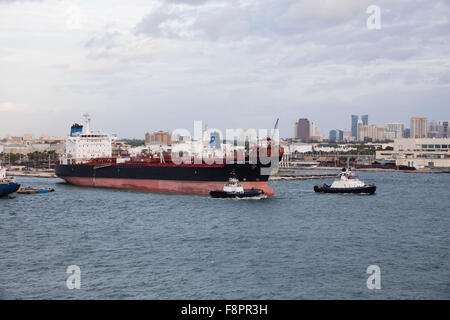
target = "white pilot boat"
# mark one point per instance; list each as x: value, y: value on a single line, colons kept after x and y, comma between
x: 233, y: 189
x: 348, y: 183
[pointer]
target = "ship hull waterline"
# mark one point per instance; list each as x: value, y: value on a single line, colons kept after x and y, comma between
x: 164, y: 186
x: 7, y: 189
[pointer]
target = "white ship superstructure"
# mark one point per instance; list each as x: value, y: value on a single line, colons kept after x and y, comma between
x: 347, y: 180
x: 348, y: 183
x: 233, y: 185
x: 87, y: 145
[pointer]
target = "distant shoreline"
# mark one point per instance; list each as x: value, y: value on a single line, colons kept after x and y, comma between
x: 283, y: 175
x: 39, y: 174
x: 425, y: 170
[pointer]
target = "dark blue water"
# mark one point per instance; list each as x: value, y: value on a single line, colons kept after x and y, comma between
x: 295, y: 245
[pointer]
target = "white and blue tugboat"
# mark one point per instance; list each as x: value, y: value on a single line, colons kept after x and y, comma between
x: 233, y: 189
x: 7, y: 185
x: 348, y: 183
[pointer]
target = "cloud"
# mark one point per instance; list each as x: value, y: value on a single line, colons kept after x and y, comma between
x: 319, y: 12
x: 11, y: 1
x: 256, y: 58
x: 106, y: 40
x: 13, y: 107
x: 188, y: 2
x: 160, y: 23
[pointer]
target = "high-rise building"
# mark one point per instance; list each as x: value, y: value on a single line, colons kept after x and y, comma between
x: 302, y: 129
x: 407, y: 133
x: 354, y: 126
x: 347, y: 135
x: 444, y: 124
x: 435, y: 130
x: 365, y: 119
x: 358, y: 130
x: 395, y: 130
x: 336, y: 135
x: 160, y: 137
x: 355, y: 120
x: 371, y: 133
x: 419, y: 128
x: 333, y: 135
x: 27, y: 137
x: 314, y: 130
x: 147, y: 138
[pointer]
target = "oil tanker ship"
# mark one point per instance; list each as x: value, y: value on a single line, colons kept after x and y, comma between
x: 89, y: 161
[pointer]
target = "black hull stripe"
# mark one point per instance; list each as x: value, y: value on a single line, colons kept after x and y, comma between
x: 244, y: 172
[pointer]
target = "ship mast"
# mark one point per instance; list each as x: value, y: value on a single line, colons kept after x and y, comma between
x: 87, y: 121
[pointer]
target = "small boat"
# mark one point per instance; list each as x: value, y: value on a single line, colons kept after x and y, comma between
x: 7, y: 184
x: 348, y: 183
x: 233, y: 189
x: 24, y: 190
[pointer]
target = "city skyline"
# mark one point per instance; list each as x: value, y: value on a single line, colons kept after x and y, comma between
x: 145, y: 65
x: 323, y: 132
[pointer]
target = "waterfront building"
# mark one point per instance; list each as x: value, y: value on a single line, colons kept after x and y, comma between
x: 419, y: 153
x: 333, y: 148
x: 419, y: 128
x: 302, y: 129
x: 17, y: 148
x: 395, y: 130
x: 297, y: 147
x: 44, y: 138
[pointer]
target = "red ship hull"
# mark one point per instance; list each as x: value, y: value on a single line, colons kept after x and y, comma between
x: 172, y: 186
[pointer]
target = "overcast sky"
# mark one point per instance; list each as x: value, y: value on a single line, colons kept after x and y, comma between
x: 140, y: 66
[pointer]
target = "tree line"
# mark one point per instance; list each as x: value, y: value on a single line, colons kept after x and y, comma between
x: 32, y: 159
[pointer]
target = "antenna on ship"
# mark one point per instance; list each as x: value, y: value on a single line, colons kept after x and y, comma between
x: 87, y: 121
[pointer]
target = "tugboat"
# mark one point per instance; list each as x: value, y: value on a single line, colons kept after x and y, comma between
x: 233, y: 189
x: 348, y: 183
x: 7, y: 185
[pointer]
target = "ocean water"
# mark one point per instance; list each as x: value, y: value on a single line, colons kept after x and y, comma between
x: 296, y: 245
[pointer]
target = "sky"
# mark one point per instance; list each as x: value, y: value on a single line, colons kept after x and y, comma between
x: 142, y: 65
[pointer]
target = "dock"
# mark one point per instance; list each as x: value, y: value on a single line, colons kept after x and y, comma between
x: 283, y: 177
